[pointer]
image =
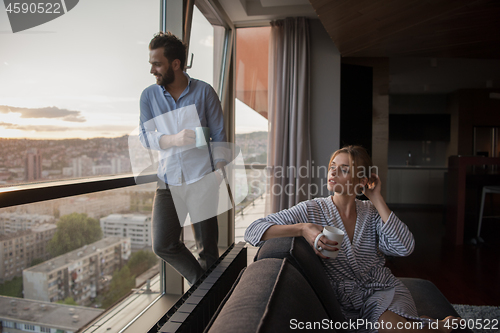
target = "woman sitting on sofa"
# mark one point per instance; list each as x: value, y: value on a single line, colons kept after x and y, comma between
x: 365, y: 288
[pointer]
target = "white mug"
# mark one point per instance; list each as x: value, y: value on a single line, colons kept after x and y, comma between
x: 334, y: 234
x: 202, y: 136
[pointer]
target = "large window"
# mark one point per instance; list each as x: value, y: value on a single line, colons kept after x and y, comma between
x: 251, y: 108
x: 70, y: 88
x: 69, y: 97
x: 205, y: 47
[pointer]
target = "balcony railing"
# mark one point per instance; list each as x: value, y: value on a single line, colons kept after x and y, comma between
x: 36, y: 192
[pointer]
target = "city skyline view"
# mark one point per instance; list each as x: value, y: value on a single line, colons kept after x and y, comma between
x: 27, y: 160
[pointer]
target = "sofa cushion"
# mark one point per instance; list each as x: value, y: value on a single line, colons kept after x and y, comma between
x: 302, y: 256
x: 270, y: 296
x: 429, y: 300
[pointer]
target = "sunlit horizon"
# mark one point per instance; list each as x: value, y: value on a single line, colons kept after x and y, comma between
x: 247, y: 121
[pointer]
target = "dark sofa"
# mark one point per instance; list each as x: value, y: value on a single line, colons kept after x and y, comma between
x: 286, y: 289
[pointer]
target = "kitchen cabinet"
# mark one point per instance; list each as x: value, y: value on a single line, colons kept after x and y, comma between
x: 415, y: 185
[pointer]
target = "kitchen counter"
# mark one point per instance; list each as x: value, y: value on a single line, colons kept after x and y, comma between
x: 415, y: 184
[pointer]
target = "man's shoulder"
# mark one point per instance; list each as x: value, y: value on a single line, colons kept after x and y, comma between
x: 151, y: 90
x: 201, y: 85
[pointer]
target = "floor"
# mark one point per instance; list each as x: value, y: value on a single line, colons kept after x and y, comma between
x: 468, y: 274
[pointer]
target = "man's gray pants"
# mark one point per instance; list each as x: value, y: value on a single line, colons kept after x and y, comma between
x: 167, y: 231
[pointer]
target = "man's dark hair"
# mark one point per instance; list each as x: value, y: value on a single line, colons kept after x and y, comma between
x: 173, y: 47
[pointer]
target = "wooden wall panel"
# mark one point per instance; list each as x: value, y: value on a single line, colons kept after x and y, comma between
x: 440, y: 28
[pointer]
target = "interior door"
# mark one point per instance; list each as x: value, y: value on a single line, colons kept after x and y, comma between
x: 356, y: 94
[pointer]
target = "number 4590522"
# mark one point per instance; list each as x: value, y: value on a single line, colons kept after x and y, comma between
x: 472, y: 324
x: 32, y: 8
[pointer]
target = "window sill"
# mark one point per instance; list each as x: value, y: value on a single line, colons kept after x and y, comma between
x: 136, y: 313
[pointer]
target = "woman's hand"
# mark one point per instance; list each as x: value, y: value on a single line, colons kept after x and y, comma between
x: 310, y: 231
x: 372, y: 189
x: 372, y: 192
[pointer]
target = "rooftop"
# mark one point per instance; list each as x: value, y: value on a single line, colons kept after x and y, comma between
x: 12, y: 235
x: 75, y: 255
x: 26, y: 216
x: 20, y: 233
x: 127, y: 217
x: 43, y: 227
x: 67, y: 317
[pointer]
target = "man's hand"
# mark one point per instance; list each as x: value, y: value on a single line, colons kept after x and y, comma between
x: 184, y: 138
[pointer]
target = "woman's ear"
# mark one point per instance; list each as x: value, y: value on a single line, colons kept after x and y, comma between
x: 363, y: 181
x: 360, y: 188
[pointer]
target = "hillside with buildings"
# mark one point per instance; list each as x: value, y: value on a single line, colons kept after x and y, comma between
x: 253, y: 146
x: 25, y: 160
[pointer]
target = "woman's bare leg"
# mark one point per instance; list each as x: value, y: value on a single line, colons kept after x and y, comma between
x: 406, y: 325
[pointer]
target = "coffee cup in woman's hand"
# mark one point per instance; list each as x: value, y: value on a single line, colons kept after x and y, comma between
x: 332, y: 233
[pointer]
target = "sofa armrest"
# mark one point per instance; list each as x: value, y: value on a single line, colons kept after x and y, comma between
x: 270, y: 296
x: 298, y: 251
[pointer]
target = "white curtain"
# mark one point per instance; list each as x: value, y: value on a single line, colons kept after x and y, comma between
x: 289, y: 149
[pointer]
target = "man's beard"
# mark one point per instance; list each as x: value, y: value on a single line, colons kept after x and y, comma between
x: 168, y: 78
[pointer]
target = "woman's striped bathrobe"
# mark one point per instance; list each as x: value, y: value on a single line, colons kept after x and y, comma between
x: 364, y: 287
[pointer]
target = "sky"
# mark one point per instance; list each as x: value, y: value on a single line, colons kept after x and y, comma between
x: 81, y: 75
x: 248, y: 120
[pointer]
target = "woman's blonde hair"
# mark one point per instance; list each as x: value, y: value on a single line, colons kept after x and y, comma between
x: 360, y: 163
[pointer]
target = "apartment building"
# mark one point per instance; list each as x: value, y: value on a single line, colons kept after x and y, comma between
x: 33, y: 165
x: 120, y: 164
x: 20, y: 314
x: 135, y: 226
x: 82, y: 166
x: 18, y: 249
x: 13, y: 222
x: 96, y: 207
x: 81, y: 274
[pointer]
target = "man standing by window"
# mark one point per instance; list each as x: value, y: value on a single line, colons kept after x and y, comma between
x: 172, y: 112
